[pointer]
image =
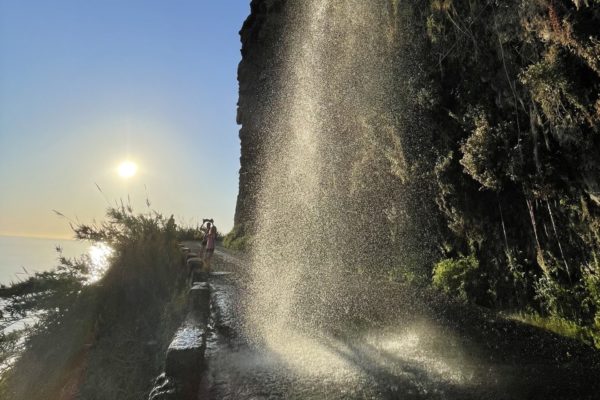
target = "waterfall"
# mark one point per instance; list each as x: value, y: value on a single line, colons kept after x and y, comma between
x: 333, y: 198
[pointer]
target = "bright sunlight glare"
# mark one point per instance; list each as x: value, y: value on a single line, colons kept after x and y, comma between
x: 99, y: 255
x: 127, y: 169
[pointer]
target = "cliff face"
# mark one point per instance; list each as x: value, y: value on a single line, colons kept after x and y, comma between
x: 261, y: 43
x: 330, y: 130
x: 469, y: 127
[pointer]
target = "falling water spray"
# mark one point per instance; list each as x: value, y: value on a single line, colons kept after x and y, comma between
x: 335, y: 198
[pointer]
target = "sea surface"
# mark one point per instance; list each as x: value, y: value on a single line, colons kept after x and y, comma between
x: 21, y: 257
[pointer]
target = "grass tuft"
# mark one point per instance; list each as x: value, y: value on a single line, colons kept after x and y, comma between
x: 561, y: 327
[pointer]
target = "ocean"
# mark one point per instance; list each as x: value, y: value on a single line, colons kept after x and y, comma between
x: 22, y: 256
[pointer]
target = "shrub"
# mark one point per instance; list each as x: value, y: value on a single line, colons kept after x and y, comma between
x: 453, y: 276
x: 105, y: 339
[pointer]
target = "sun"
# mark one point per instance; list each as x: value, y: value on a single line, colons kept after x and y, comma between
x: 127, y: 169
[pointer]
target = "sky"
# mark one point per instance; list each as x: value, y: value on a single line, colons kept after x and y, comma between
x: 86, y: 85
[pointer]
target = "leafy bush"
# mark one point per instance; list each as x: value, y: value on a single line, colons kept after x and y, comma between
x: 486, y: 154
x: 454, y: 276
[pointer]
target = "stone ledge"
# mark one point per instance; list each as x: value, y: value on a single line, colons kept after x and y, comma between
x: 199, y: 298
x: 186, y: 351
x: 185, y: 355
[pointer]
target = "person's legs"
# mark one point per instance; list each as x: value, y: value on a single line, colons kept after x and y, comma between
x: 207, y: 259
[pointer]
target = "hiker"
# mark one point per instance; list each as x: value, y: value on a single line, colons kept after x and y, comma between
x: 193, y: 266
x: 206, y: 231
x: 211, y: 238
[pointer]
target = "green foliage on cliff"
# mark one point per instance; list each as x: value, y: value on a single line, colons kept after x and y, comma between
x: 561, y: 326
x: 517, y: 120
x: 453, y: 276
x: 237, y: 239
x: 102, y: 340
x: 479, y: 135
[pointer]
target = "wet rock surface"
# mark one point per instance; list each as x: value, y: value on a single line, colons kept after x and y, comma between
x: 199, y: 297
x: 185, y: 355
x: 186, y: 351
x: 412, y: 345
x: 165, y: 388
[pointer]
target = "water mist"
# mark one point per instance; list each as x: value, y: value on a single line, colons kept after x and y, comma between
x: 335, y: 199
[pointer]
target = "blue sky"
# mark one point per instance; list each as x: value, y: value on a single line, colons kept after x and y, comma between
x: 85, y: 85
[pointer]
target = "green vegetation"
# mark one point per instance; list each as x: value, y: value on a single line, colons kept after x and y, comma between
x: 236, y: 240
x: 514, y: 92
x: 104, y: 340
x: 483, y: 154
x: 454, y: 276
x: 189, y: 233
x: 561, y: 326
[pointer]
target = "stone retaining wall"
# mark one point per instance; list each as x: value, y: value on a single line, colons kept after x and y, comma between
x: 184, y: 360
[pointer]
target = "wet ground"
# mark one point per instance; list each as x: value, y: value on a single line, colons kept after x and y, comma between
x: 429, y: 349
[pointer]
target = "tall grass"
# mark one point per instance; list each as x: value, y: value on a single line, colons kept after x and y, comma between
x: 561, y: 326
x: 107, y: 340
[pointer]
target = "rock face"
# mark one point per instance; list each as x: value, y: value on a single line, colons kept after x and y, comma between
x: 330, y: 139
x: 261, y: 48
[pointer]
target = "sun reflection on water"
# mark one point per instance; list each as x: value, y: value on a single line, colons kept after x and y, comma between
x: 99, y: 255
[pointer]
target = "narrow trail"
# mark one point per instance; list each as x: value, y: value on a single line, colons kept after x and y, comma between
x: 439, y: 350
